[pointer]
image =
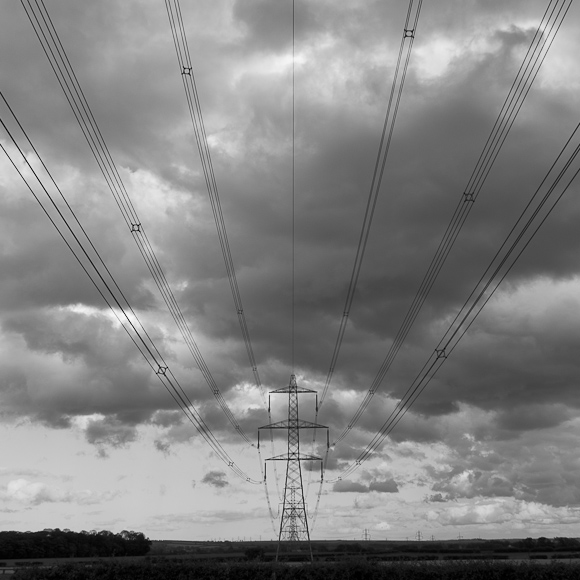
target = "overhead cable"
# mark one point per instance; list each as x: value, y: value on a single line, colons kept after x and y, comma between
x: 83, y: 249
x: 406, y: 46
x: 400, y: 73
x: 193, y: 102
x: 563, y: 171
x: 187, y: 74
x: 528, y: 70
x: 65, y: 74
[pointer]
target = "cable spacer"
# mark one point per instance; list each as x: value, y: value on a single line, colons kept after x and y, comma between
x: 468, y: 196
x: 161, y: 370
x: 409, y: 33
x: 135, y: 227
x: 440, y: 353
x: 187, y: 70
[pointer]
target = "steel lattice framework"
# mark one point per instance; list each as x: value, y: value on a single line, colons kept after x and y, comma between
x: 294, y: 520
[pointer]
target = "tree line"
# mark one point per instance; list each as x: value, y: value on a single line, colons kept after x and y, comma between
x: 57, y: 543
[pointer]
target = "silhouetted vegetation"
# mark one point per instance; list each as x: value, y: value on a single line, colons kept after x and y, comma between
x: 357, y: 569
x: 255, y: 553
x: 66, y: 544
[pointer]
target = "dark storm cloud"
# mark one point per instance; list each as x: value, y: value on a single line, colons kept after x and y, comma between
x: 499, y: 367
x: 533, y: 416
x: 167, y: 418
x: 388, y: 486
x: 421, y: 208
x: 36, y: 265
x: 540, y: 466
x: 437, y: 498
x: 520, y: 366
x: 109, y: 432
x: 266, y: 23
x: 215, y: 479
x: 118, y: 83
x: 93, y: 354
x: 69, y: 335
x: 349, y: 487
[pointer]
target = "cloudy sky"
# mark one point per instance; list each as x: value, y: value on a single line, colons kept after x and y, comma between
x: 92, y: 440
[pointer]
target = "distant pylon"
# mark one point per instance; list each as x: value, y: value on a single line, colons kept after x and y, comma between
x: 294, y: 520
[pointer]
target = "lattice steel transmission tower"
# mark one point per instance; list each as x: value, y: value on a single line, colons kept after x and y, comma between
x: 294, y: 520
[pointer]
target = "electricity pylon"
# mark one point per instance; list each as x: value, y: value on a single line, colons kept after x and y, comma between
x: 294, y: 520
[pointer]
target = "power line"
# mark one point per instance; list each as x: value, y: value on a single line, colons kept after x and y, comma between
x: 89, y: 259
x: 193, y: 102
x: 54, y: 50
x: 382, y: 154
x: 404, y: 56
x: 293, y: 186
x: 186, y: 69
x: 501, y: 264
x: 528, y: 70
x: 320, y: 487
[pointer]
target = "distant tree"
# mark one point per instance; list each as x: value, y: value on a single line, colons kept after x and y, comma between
x: 528, y: 543
x: 545, y: 544
x: 55, y: 543
x: 567, y: 543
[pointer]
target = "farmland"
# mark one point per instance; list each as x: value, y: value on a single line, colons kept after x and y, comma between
x: 539, y: 559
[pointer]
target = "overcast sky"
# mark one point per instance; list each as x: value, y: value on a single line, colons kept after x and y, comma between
x: 92, y: 440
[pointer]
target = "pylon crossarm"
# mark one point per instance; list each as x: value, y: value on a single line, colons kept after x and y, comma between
x: 299, y: 457
x: 292, y: 388
x: 297, y: 424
